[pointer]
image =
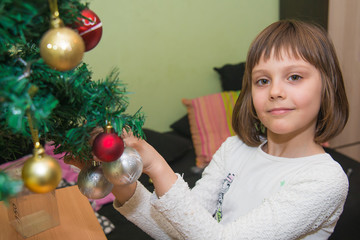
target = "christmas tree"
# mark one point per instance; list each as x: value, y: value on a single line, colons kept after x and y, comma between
x: 39, y: 100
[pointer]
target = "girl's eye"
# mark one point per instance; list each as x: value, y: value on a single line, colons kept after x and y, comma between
x: 262, y: 82
x: 294, y: 77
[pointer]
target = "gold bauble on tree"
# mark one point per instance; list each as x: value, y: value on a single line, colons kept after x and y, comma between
x: 41, y: 173
x: 62, y: 48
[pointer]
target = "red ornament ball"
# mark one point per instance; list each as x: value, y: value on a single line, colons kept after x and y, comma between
x: 108, y: 147
x: 90, y: 31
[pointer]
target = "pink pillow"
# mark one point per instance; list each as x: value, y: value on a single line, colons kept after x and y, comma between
x: 210, y: 123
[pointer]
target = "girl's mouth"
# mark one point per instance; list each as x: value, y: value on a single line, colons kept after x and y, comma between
x: 280, y: 111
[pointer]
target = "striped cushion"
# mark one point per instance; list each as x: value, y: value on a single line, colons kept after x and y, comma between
x: 210, y: 123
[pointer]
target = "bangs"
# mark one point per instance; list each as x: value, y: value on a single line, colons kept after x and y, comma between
x: 295, y: 38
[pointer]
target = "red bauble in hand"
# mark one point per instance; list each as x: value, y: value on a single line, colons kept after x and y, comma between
x: 90, y: 31
x: 108, y: 147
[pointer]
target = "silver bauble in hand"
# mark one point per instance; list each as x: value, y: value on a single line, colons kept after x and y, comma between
x: 125, y: 170
x: 92, y: 183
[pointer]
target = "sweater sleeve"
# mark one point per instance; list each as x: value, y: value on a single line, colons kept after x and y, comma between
x: 139, y: 211
x: 314, y: 199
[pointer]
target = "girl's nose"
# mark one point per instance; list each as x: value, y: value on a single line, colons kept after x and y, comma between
x: 277, y: 90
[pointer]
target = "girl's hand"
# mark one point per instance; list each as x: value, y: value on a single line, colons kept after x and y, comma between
x: 150, y: 157
x: 154, y: 165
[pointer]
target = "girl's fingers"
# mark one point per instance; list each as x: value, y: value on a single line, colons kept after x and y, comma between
x: 94, y: 133
x: 75, y: 162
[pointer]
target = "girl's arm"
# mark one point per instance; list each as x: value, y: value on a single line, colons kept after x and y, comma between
x: 312, y: 201
x: 139, y: 211
x: 124, y: 192
x: 138, y: 208
x: 134, y: 202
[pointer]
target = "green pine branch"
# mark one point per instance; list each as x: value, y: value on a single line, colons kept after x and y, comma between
x: 64, y: 106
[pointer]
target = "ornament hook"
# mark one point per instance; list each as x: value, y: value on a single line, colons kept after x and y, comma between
x: 108, y: 128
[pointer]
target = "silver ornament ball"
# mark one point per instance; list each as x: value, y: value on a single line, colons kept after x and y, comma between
x: 126, y: 169
x: 93, y: 184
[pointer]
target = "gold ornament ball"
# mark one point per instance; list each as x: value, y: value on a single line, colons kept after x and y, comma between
x: 41, y: 173
x: 62, y: 48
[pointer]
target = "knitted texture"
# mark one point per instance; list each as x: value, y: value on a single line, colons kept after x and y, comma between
x: 139, y: 211
x: 305, y: 206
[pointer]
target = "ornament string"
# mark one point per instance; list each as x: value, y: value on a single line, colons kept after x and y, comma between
x: 54, y: 8
x: 55, y: 15
x: 34, y: 132
x: 32, y: 91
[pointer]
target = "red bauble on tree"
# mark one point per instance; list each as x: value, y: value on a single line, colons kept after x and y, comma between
x: 108, y: 146
x: 90, y: 31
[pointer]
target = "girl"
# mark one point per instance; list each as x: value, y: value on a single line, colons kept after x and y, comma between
x: 273, y: 180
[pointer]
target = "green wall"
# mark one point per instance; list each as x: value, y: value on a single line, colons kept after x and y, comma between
x: 166, y: 49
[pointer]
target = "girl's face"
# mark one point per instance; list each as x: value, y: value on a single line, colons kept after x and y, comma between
x: 286, y: 94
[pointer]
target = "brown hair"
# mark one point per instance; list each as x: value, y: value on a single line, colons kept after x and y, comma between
x: 311, y: 43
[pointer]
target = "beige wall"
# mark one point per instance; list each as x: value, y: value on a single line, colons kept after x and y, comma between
x: 344, y: 28
x: 166, y: 49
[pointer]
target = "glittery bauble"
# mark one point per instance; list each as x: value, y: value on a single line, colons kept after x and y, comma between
x: 108, y: 147
x: 125, y: 170
x: 92, y: 183
x: 62, y: 48
x: 41, y: 173
x: 90, y: 31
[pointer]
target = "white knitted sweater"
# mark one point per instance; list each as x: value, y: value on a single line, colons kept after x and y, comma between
x: 269, y: 198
